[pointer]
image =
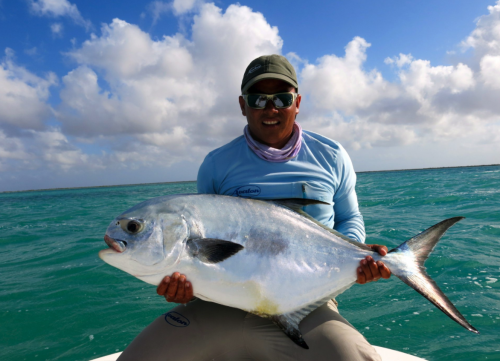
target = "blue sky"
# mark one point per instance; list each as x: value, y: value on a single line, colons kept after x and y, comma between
x: 99, y: 93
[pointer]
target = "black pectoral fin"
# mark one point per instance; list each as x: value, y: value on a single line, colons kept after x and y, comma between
x: 211, y: 250
x: 291, y: 328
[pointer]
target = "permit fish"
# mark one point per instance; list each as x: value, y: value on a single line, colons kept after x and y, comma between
x: 269, y: 258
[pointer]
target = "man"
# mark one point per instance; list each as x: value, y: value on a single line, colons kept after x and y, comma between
x: 274, y: 159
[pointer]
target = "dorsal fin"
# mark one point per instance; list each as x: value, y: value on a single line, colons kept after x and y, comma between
x: 296, y: 204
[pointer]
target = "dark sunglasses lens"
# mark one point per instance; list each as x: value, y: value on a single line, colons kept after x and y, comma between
x: 283, y: 100
x: 256, y: 101
x: 280, y: 100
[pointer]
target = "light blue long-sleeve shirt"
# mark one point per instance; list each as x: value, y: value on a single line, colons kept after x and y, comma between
x: 322, y: 170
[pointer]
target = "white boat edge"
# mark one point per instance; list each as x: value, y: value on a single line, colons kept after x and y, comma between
x: 385, y: 353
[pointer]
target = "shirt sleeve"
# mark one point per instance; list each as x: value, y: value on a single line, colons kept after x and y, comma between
x: 348, y: 218
x: 205, y: 179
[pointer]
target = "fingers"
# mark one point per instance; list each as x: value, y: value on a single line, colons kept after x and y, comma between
x: 366, y: 269
x: 384, y: 271
x: 373, y: 268
x: 162, y: 287
x: 361, y: 276
x: 381, y: 250
x: 370, y: 270
x: 189, y: 292
x: 184, y: 291
x: 172, y: 287
x: 175, y: 288
x: 179, y: 297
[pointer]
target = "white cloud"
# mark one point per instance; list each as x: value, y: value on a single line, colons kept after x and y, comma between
x: 11, y: 148
x: 341, y: 83
x: 296, y: 61
x: 423, y: 81
x: 59, y: 8
x: 399, y: 61
x: 490, y: 71
x: 32, y: 149
x: 485, y: 39
x: 184, y: 6
x: 158, y: 8
x: 58, y: 152
x: 125, y: 52
x: 368, y: 111
x: 177, y: 7
x: 56, y: 29
x: 158, y: 85
x: 23, y: 96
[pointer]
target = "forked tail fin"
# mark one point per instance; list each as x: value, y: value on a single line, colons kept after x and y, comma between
x: 407, y: 263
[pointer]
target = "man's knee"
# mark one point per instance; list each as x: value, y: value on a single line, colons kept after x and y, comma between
x: 186, y: 333
x: 341, y: 342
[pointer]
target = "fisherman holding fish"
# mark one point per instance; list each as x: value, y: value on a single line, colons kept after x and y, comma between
x: 273, y: 159
x: 272, y: 237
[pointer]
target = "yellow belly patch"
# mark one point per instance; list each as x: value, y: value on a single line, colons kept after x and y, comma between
x: 267, y: 307
x: 264, y: 306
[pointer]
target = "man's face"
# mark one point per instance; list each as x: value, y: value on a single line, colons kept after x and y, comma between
x: 271, y: 126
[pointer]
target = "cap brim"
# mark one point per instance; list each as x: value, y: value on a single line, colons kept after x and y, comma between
x: 269, y: 76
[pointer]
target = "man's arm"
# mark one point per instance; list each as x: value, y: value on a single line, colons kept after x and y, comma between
x: 349, y: 221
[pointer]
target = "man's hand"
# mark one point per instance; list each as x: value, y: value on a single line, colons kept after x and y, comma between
x: 370, y: 270
x: 175, y: 288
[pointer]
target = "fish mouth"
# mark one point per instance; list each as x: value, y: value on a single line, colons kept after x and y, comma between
x: 116, y: 244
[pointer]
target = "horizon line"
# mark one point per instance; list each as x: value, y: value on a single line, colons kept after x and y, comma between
x: 194, y: 181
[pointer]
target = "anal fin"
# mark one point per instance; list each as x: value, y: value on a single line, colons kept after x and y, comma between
x: 289, y: 322
x: 290, y: 327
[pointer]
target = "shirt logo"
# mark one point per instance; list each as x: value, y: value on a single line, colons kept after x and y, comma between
x: 176, y: 319
x: 258, y: 66
x: 246, y: 191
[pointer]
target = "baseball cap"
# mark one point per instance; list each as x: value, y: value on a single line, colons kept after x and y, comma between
x: 269, y: 67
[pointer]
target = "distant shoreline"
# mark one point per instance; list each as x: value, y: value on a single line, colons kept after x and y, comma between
x: 413, y: 169
x: 193, y: 181
x: 110, y: 186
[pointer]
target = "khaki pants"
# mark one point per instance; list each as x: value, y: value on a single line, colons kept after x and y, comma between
x: 203, y: 331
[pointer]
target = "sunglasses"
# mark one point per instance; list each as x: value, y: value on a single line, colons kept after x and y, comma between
x: 280, y: 100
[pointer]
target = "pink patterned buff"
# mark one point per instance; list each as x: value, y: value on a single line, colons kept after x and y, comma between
x: 289, y: 151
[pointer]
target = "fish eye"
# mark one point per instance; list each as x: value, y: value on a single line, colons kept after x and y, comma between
x: 133, y: 226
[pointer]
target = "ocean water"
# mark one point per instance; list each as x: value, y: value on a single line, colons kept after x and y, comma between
x: 59, y: 301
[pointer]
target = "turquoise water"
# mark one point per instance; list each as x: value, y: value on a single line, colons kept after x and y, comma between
x: 59, y: 301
